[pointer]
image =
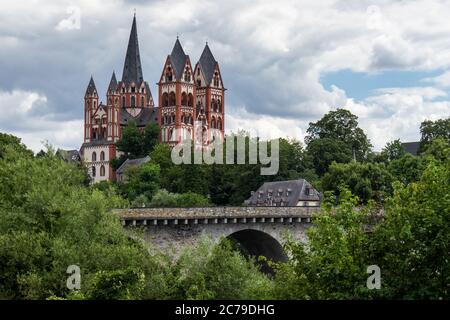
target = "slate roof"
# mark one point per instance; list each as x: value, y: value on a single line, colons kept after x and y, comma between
x: 208, y: 64
x: 71, y: 156
x: 132, y: 162
x: 113, y: 83
x: 91, y: 87
x: 149, y: 93
x: 97, y: 142
x: 289, y: 192
x: 146, y: 116
x: 411, y: 147
x: 132, y: 68
x: 178, y: 58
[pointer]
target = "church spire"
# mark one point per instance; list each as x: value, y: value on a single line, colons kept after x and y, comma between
x: 132, y: 69
x: 207, y: 63
x: 113, y: 83
x: 91, y: 87
x: 178, y: 58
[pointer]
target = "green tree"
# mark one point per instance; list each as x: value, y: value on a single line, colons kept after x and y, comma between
x: 411, y: 245
x: 50, y: 220
x: 135, y: 143
x: 368, y: 181
x: 393, y: 150
x: 326, y: 150
x: 163, y: 198
x: 408, y: 168
x: 340, y: 125
x: 12, y: 146
x: 332, y: 264
x: 439, y: 149
x: 141, y: 180
x: 208, y: 271
x: 430, y: 130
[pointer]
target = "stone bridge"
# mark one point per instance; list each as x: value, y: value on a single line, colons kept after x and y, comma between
x: 259, y: 230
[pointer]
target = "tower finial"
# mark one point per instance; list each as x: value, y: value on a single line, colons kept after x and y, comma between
x: 134, y: 12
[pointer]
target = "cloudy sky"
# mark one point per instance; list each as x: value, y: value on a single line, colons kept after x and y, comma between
x: 284, y: 63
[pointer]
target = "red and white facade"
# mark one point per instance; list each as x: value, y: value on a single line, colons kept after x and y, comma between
x: 186, y: 96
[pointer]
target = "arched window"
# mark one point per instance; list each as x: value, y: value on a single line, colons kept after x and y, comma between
x: 199, y: 82
x: 190, y: 100
x: 123, y: 102
x: 219, y: 123
x: 165, y: 99
x: 133, y: 101
x: 95, y: 104
x: 94, y: 156
x: 169, y: 74
x: 102, y: 156
x: 187, y: 75
x: 216, y: 79
x: 183, y: 99
x: 219, y: 105
x: 93, y: 171
x: 172, y: 99
x: 142, y: 102
x: 102, y: 171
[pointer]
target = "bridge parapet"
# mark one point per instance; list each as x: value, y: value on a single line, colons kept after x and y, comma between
x: 214, y: 215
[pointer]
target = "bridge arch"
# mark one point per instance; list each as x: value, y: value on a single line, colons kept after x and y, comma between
x: 255, y: 243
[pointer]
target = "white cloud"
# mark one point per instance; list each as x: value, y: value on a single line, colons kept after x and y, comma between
x: 18, y: 117
x: 272, y: 56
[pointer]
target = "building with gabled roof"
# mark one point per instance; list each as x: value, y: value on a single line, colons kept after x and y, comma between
x: 189, y: 94
x: 291, y: 193
x: 184, y: 96
x: 120, y: 172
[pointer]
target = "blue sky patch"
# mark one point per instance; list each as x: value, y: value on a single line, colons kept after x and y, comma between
x: 360, y: 85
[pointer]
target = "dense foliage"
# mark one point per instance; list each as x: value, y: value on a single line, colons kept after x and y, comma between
x: 51, y: 218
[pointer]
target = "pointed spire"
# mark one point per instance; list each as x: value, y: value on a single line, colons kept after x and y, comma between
x: 178, y: 58
x: 132, y: 69
x: 113, y: 83
x: 91, y: 87
x: 207, y: 63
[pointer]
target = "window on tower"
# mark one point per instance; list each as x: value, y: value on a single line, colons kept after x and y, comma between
x: 102, y: 156
x: 102, y: 171
x: 187, y: 75
x: 94, y: 156
x: 165, y: 99
x: 93, y: 171
x: 133, y: 101
x: 169, y: 74
x: 123, y: 102
x: 172, y: 99
x: 216, y: 79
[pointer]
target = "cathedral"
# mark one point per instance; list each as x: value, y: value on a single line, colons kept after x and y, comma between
x: 190, y: 100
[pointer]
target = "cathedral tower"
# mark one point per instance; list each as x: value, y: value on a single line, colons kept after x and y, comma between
x: 90, y: 105
x: 177, y: 94
x: 210, y: 92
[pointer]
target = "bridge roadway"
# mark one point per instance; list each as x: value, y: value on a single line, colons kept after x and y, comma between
x: 214, y: 215
x: 258, y: 230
